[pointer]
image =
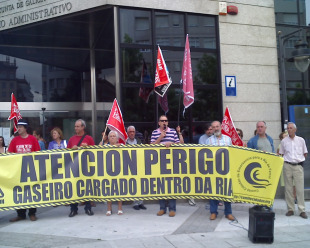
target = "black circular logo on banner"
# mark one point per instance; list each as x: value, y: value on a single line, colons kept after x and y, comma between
x: 253, y: 175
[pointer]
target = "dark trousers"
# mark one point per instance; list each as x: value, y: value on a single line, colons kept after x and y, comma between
x: 214, y: 205
x: 74, y: 206
x: 22, y: 212
x: 171, y: 205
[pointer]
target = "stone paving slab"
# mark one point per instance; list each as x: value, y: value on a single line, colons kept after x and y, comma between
x: 191, y: 228
x: 132, y: 224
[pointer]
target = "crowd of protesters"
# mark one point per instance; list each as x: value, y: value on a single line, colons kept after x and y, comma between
x: 293, y: 175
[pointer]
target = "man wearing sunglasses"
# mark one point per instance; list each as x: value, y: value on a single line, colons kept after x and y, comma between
x: 167, y: 136
x: 164, y: 134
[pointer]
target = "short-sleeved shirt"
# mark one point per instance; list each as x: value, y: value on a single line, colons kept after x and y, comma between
x: 293, y: 150
x: 24, y: 145
x: 74, y: 140
x: 223, y: 141
x: 171, y: 136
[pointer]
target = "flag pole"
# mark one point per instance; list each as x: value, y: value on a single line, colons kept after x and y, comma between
x: 179, y: 103
x: 104, y: 133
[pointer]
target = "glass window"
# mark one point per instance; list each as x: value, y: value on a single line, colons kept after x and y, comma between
x: 307, y: 100
x: 304, y: 7
x: 102, y: 117
x: 194, y: 41
x: 3, y: 74
x: 162, y: 21
x: 12, y: 75
x: 134, y: 108
x: 132, y: 65
x: 294, y: 84
x: 291, y: 42
x: 105, y: 76
x: 202, y: 31
x: 63, y: 119
x: 178, y: 66
x: 177, y: 42
x: 163, y: 42
x: 208, y: 21
x: 176, y: 20
x: 205, y: 69
x: 170, y: 35
x: 52, y: 84
x: 60, y: 83
x: 206, y: 107
x: 291, y: 19
x: 30, y: 77
x: 209, y: 42
x: 167, y: 32
x: 193, y: 21
x: 295, y: 97
x: 285, y: 11
x: 142, y: 23
x: 135, y: 26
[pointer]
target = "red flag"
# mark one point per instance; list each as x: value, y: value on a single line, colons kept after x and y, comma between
x: 116, y: 123
x: 145, y: 92
x: 228, y: 128
x: 187, y: 77
x: 15, y: 113
x: 163, y: 102
x: 162, y: 79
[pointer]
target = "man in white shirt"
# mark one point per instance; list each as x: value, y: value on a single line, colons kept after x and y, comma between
x: 219, y: 139
x: 294, y: 151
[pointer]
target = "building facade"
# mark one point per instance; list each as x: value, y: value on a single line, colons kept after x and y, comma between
x: 77, y: 56
x: 293, y: 26
x: 70, y: 59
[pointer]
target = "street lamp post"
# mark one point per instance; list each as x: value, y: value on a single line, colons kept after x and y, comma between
x: 301, y: 57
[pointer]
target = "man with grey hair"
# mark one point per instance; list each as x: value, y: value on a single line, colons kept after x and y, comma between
x: 132, y: 140
x: 294, y: 151
x: 261, y: 141
x: 80, y: 139
x: 219, y: 139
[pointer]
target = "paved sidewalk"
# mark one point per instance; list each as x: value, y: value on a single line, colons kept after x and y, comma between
x: 191, y: 227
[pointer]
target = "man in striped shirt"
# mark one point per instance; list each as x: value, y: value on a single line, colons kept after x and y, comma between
x: 167, y: 136
x: 219, y: 139
x: 164, y: 134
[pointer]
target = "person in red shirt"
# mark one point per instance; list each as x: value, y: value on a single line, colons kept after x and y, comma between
x: 24, y: 143
x: 80, y: 139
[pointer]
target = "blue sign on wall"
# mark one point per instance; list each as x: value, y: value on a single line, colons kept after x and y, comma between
x: 231, y: 85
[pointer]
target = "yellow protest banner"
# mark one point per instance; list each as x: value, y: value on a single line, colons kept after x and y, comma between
x: 132, y: 172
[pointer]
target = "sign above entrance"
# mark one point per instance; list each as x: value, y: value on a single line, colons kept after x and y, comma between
x: 15, y: 13
x: 21, y: 12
